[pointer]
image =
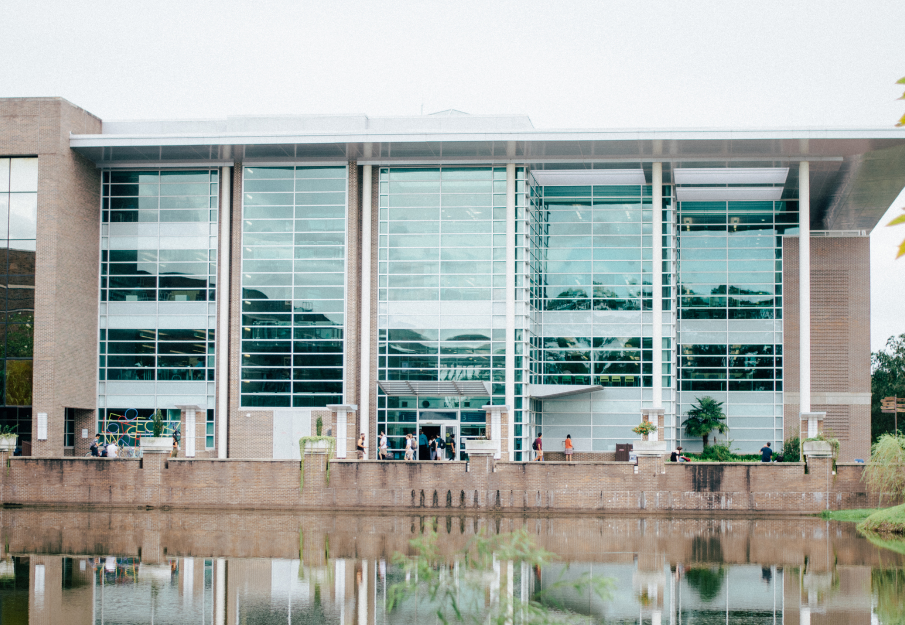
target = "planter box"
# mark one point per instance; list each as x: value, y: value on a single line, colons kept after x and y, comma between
x: 8, y: 443
x: 156, y: 444
x: 817, y: 448
x: 317, y: 447
x: 481, y: 446
x: 649, y: 448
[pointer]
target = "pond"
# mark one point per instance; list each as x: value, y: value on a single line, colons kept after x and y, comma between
x: 74, y: 566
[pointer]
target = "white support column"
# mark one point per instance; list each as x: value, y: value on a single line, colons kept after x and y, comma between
x: 220, y: 583
x: 188, y: 437
x: 223, y: 291
x: 494, y: 426
x: 804, y: 286
x: 510, y: 305
x: 364, y: 380
x: 341, y: 433
x: 657, y: 284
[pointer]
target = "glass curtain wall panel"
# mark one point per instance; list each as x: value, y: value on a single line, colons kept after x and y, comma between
x: 730, y: 312
x: 293, y: 285
x: 18, y: 234
x: 442, y: 290
x: 157, y: 296
x: 591, y: 295
x: 524, y: 326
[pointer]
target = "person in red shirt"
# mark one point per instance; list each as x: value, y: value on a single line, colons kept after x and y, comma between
x: 539, y: 448
x: 569, y: 448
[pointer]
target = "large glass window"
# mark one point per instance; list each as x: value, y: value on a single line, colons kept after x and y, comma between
x: 293, y: 285
x: 730, y: 312
x: 157, y: 292
x: 442, y: 286
x: 18, y: 242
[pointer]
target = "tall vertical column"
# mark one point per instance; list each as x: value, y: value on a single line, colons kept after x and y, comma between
x: 510, y: 308
x: 657, y: 284
x: 364, y: 379
x: 804, y: 286
x: 223, y: 291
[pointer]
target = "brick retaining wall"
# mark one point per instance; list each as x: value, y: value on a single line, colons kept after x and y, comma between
x: 479, y: 485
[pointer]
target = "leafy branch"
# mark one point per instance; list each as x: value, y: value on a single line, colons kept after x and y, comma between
x: 306, y: 442
x: 460, y: 596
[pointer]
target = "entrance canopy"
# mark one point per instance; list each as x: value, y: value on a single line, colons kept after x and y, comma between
x: 446, y: 388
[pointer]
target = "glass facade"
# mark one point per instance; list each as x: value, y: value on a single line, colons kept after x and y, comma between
x: 157, y: 294
x: 442, y: 292
x: 591, y: 290
x: 583, y: 275
x: 730, y: 309
x: 293, y: 285
x: 18, y: 234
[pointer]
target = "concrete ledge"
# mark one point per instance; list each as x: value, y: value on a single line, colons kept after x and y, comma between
x: 593, y: 487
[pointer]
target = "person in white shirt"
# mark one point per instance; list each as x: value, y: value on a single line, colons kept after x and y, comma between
x: 409, y: 448
x: 383, y: 446
x: 112, y: 451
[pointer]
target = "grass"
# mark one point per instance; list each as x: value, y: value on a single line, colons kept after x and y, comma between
x: 885, y: 521
x: 848, y: 516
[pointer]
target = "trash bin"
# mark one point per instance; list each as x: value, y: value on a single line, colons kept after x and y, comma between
x: 622, y: 452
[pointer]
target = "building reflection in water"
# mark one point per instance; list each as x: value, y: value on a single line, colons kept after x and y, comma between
x: 339, y: 570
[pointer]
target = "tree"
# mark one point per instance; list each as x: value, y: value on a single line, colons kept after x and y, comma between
x: 901, y: 218
x: 884, y: 474
x: 705, y: 417
x: 887, y: 379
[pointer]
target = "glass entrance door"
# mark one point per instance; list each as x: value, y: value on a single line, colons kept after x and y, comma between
x: 449, y: 434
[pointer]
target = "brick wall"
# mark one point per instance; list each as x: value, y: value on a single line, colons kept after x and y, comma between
x: 477, y: 485
x: 66, y: 276
x: 840, y: 339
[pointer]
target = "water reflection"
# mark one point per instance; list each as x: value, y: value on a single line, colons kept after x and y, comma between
x: 227, y: 567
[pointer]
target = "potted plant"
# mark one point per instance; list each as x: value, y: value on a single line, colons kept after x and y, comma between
x: 7, y: 438
x: 820, y: 445
x: 646, y: 446
x: 157, y: 442
x: 644, y: 429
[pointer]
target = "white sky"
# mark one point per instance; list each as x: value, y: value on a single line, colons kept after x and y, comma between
x: 594, y: 64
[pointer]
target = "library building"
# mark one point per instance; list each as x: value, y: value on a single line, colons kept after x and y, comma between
x: 462, y: 276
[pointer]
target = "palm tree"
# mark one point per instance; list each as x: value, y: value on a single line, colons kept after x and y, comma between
x: 705, y: 417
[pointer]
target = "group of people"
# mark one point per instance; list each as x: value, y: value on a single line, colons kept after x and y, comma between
x: 431, y: 447
x: 538, y: 447
x: 424, y: 447
x: 99, y: 449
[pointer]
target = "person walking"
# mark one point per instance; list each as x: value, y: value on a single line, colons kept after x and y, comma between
x: 383, y: 446
x: 766, y: 453
x: 569, y: 448
x: 94, y: 449
x: 360, y: 447
x: 409, y: 448
x: 539, y: 447
x: 433, y: 447
x: 441, y: 449
x: 422, y: 446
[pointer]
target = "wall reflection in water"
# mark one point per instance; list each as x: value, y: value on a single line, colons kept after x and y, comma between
x: 209, y: 567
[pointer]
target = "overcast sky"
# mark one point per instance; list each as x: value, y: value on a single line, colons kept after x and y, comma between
x: 595, y: 64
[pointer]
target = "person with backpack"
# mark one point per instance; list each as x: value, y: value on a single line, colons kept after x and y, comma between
x: 441, y: 449
x: 538, y: 447
x: 95, y: 449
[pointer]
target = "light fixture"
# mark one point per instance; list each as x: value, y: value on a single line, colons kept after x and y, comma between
x: 717, y: 194
x: 731, y: 175
x: 588, y: 177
